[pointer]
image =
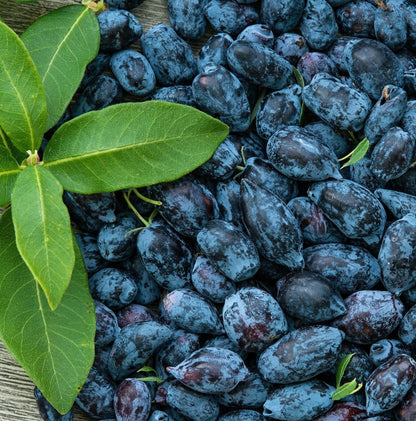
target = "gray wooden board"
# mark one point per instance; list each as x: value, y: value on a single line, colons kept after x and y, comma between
x: 16, y: 389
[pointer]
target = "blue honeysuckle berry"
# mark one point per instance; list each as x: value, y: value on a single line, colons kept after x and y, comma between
x: 169, y: 55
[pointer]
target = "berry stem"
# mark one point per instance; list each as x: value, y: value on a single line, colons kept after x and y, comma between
x: 146, y: 199
x: 126, y: 196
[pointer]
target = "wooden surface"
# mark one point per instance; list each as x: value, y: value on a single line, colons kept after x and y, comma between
x: 20, y: 15
x: 16, y: 389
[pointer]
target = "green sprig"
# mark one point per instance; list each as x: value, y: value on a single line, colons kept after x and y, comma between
x: 348, y: 388
x: 357, y: 154
x: 147, y: 369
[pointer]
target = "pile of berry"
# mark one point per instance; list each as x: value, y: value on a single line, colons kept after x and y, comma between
x: 267, y: 265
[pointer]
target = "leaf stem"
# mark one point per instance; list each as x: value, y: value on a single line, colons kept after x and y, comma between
x: 152, y: 215
x: 146, y: 199
x: 243, y: 156
x: 241, y: 168
x: 126, y: 196
x: 346, y: 156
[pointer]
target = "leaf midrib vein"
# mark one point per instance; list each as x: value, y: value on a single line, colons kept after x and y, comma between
x: 38, y: 292
x: 42, y: 211
x: 87, y: 155
x: 29, y: 263
x: 53, y: 58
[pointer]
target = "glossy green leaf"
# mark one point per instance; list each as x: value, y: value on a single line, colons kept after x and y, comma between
x: 131, y: 145
x: 43, y: 230
x: 346, y: 390
x: 357, y: 154
x: 22, y: 99
x: 62, y: 43
x: 9, y: 169
x: 343, y: 364
x: 56, y: 348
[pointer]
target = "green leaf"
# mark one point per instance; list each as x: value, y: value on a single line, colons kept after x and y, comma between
x: 22, y: 98
x: 343, y: 364
x: 19, y: 156
x: 56, y: 348
x: 346, y: 390
x: 25, y: 1
x: 147, y: 369
x: 131, y: 145
x: 158, y: 380
x: 9, y: 169
x: 298, y: 76
x: 357, y: 154
x: 43, y: 230
x: 62, y: 43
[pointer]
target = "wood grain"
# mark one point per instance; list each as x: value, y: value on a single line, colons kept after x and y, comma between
x: 19, y: 15
x: 16, y: 389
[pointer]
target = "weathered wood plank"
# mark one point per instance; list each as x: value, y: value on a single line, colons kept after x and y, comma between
x: 20, y: 15
x: 16, y: 391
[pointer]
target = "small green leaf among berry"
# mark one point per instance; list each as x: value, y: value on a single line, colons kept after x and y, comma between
x: 348, y: 388
x: 147, y: 369
x: 357, y: 154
